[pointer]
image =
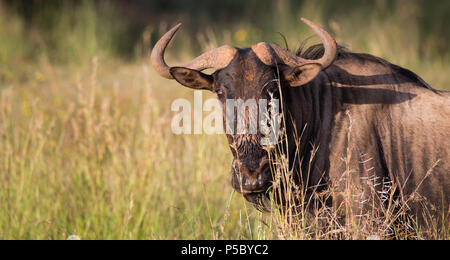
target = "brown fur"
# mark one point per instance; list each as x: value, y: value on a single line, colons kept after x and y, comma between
x: 385, y: 119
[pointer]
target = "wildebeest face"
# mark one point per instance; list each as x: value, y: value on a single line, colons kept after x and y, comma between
x: 244, y: 85
x: 250, y: 81
x: 246, y: 75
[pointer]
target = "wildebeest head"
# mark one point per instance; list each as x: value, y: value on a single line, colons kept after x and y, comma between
x: 246, y: 74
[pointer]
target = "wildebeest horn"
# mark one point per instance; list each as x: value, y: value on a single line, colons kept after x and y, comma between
x: 272, y: 54
x: 218, y: 58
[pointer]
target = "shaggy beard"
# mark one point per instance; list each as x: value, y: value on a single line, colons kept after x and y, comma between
x: 259, y: 201
x: 262, y: 201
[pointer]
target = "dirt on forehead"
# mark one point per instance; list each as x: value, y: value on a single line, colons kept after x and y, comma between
x: 247, y: 67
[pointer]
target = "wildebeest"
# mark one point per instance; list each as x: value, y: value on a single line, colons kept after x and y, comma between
x: 345, y: 114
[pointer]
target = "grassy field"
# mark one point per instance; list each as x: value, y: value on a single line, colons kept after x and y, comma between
x: 86, y: 147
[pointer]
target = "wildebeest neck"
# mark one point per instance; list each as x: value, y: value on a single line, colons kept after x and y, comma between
x: 360, y: 84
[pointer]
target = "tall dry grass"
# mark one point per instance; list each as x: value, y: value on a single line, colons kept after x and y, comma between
x: 93, y: 155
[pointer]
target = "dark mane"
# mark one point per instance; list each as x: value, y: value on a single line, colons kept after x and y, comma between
x: 317, y: 51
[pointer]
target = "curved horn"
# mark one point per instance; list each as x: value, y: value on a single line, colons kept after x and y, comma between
x: 157, y: 58
x: 218, y: 58
x: 272, y: 54
x: 329, y: 44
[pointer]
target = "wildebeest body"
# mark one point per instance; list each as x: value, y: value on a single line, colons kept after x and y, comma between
x: 373, y: 120
x: 350, y: 119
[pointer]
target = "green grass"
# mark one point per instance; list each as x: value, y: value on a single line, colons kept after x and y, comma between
x: 86, y: 146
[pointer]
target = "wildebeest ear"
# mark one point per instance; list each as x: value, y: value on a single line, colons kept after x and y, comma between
x: 192, y: 78
x: 301, y: 75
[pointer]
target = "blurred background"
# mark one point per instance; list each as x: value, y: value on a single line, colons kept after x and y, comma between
x: 409, y: 32
x: 85, y: 141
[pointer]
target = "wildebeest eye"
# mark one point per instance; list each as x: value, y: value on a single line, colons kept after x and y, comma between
x: 220, y: 90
